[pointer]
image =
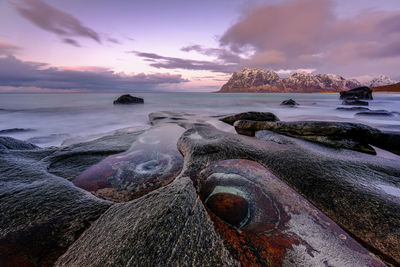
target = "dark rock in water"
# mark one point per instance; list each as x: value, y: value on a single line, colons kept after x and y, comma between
x: 153, y: 161
x: 375, y: 113
x: 167, y: 227
x: 281, y: 226
x: 15, y: 130
x: 14, y: 144
x: 363, y: 92
x: 41, y: 215
x: 355, y: 103
x: 335, y: 134
x: 128, y: 99
x: 352, y: 109
x: 251, y: 115
x: 289, y: 102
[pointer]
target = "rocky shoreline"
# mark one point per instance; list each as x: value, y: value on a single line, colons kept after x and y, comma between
x: 190, y: 191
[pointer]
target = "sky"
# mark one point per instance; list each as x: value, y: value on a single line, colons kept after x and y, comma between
x: 181, y: 45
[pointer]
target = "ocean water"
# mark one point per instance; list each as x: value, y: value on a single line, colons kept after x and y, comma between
x: 49, y: 119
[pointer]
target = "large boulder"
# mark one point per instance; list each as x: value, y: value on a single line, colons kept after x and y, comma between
x: 128, y: 99
x: 363, y: 92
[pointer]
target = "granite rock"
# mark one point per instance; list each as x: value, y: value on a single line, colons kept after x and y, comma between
x: 167, y: 227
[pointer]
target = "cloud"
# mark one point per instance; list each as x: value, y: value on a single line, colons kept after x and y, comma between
x: 71, y: 42
x: 54, y: 20
x: 158, y: 61
x: 114, y: 40
x: 301, y: 33
x: 222, y: 54
x: 7, y: 48
x: 17, y: 73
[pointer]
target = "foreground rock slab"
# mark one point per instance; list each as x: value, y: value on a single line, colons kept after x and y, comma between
x: 167, y: 227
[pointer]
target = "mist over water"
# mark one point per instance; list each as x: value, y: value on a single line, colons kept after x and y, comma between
x: 48, y: 119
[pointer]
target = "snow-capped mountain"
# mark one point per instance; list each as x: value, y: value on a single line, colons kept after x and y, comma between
x: 259, y: 80
x: 380, y: 80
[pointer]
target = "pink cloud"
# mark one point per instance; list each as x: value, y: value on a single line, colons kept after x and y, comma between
x: 307, y: 33
x: 54, y: 20
x: 7, y: 48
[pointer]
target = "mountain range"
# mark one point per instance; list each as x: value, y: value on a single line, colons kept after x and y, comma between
x: 259, y: 80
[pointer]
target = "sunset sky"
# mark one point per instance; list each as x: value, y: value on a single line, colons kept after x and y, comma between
x: 102, y: 45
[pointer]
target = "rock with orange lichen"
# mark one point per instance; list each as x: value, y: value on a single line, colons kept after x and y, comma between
x: 358, y: 191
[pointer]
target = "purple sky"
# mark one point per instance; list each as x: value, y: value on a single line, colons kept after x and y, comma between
x: 101, y: 45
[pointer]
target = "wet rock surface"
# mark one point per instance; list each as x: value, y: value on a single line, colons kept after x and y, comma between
x: 334, y: 134
x: 7, y: 143
x: 152, y: 161
x: 352, y: 109
x: 70, y: 161
x: 128, y: 99
x: 363, y: 92
x: 251, y: 115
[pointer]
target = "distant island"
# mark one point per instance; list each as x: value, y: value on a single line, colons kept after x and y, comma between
x: 255, y: 80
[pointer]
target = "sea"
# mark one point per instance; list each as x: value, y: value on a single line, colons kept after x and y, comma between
x: 52, y: 119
